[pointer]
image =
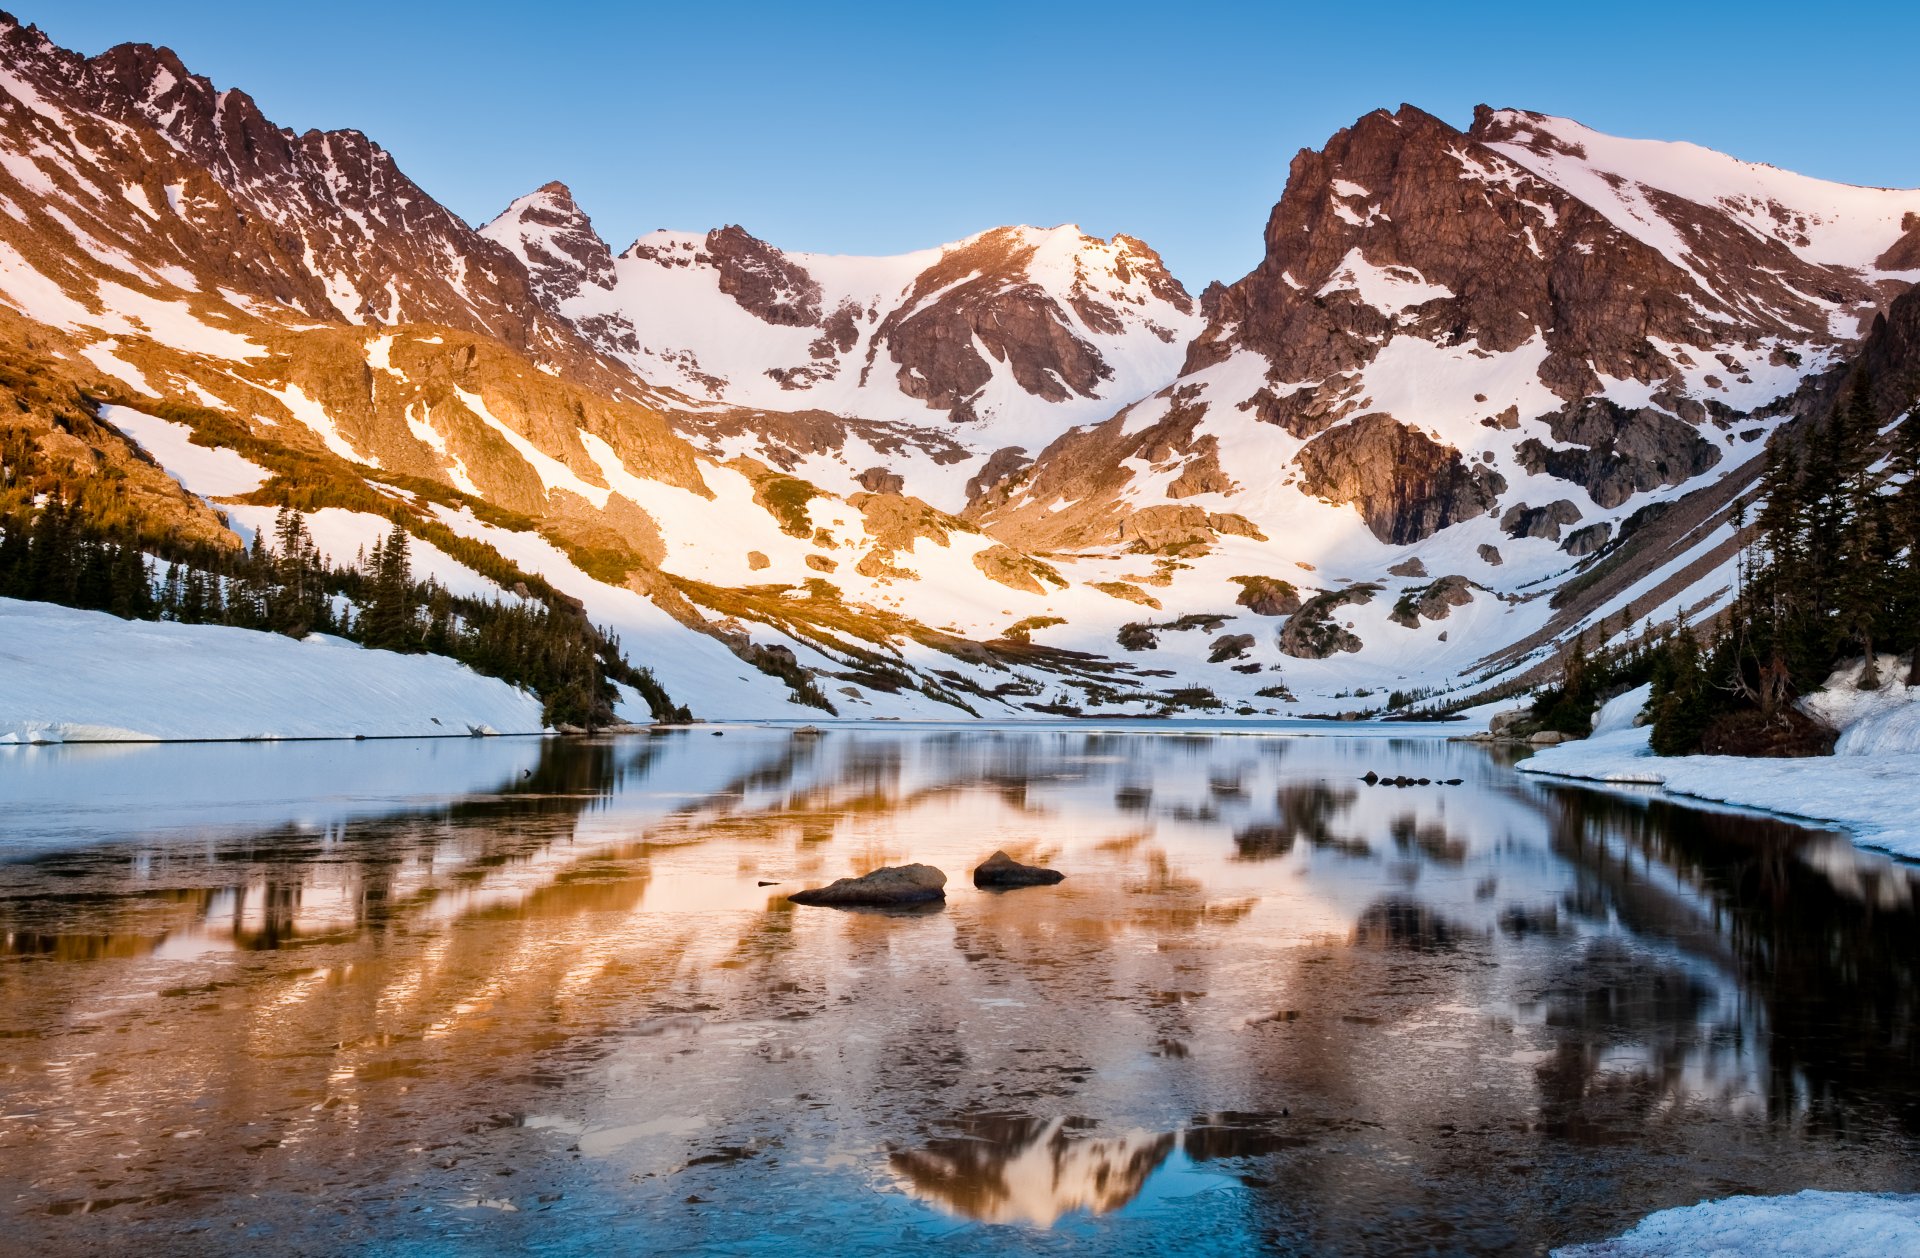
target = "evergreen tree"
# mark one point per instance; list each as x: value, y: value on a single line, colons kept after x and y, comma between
x: 388, y: 624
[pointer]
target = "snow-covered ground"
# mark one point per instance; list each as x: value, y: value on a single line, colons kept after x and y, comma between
x: 72, y: 676
x: 1808, y: 1224
x: 1869, y: 785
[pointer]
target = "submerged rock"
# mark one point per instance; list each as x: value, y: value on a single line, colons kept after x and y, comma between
x: 883, y: 888
x: 1001, y: 870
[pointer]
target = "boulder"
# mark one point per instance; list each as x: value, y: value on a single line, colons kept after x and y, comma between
x: 1001, y: 870
x: 892, y: 887
x: 1504, y: 722
x: 1551, y: 738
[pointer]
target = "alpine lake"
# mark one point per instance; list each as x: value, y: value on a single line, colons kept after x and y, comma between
x: 548, y: 996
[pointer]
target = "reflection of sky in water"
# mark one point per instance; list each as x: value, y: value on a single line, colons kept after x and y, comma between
x: 1269, y: 1000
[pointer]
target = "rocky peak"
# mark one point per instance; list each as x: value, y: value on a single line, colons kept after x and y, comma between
x: 1402, y: 225
x: 163, y: 168
x: 764, y: 281
x: 549, y: 232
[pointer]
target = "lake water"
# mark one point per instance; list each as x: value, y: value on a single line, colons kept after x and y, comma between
x: 502, y: 996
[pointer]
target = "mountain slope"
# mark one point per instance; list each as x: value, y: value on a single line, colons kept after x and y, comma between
x: 1485, y: 388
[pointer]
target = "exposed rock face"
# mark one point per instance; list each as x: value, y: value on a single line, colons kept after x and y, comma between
x: 1017, y: 571
x: 1001, y: 870
x: 152, y: 162
x: 1229, y: 646
x: 1267, y: 596
x: 1521, y: 520
x: 1406, y: 485
x: 765, y: 282
x: 1311, y: 634
x: 1890, y: 356
x: 1404, y: 204
x: 1587, y: 540
x: 1619, y: 452
x: 893, y: 887
x: 556, y: 240
x: 1432, y: 602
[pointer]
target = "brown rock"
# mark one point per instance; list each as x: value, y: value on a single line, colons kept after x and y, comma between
x: 1001, y: 870
x: 1406, y: 485
x: 892, y: 887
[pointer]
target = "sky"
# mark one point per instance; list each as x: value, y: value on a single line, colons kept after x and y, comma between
x: 880, y: 128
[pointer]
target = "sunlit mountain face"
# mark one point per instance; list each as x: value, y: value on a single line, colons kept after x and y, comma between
x: 533, y: 984
x: 1488, y: 388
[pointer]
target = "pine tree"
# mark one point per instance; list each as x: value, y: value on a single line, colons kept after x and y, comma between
x: 387, y: 623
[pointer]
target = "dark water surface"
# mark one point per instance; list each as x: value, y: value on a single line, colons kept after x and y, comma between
x: 508, y: 995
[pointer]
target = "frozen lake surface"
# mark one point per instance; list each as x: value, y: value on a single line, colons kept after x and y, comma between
x: 504, y: 995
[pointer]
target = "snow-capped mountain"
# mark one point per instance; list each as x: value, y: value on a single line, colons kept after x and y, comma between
x: 1486, y: 387
x: 989, y: 340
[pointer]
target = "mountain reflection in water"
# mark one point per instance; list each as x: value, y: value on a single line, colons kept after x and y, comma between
x: 488, y: 995
x: 1009, y: 1168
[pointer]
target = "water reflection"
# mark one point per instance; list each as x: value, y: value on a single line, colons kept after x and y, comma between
x: 1269, y: 1008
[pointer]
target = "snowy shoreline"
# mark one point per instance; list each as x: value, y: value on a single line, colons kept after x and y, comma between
x: 1867, y: 787
x: 84, y: 676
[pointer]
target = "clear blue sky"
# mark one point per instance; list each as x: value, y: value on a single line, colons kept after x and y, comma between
x: 877, y: 128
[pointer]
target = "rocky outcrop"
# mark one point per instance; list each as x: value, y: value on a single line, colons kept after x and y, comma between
x: 1267, y: 596
x: 1616, y: 453
x: 1587, y: 540
x: 1312, y: 634
x: 1431, y: 602
x: 1017, y: 571
x: 1001, y: 871
x: 1521, y: 520
x: 1229, y: 646
x: 764, y: 281
x: 556, y: 240
x: 1406, y: 485
x: 897, y: 886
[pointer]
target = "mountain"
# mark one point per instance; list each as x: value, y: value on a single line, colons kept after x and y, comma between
x: 1486, y: 387
x: 981, y: 341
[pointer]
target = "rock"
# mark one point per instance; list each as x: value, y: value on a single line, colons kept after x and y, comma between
x: 1550, y: 738
x: 1001, y: 870
x: 1370, y: 778
x: 756, y: 561
x: 1431, y: 602
x: 1017, y: 571
x: 893, y: 886
x: 1312, y: 634
x: 1406, y: 486
x: 1587, y: 540
x: 1524, y: 521
x: 1267, y: 596
x: 1411, y: 567
x: 1614, y: 453
x: 1230, y: 646
x: 1490, y: 555
x: 1502, y: 722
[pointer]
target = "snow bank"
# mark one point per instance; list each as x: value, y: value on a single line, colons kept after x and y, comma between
x: 68, y: 675
x: 1841, y: 704
x: 1621, y: 711
x: 1808, y: 1224
x: 1871, y: 795
x: 1891, y: 731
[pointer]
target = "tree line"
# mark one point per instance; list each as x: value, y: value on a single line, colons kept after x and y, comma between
x: 52, y: 550
x: 1833, y: 573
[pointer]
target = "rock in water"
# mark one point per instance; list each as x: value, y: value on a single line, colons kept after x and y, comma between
x: 883, y: 888
x: 1001, y: 870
